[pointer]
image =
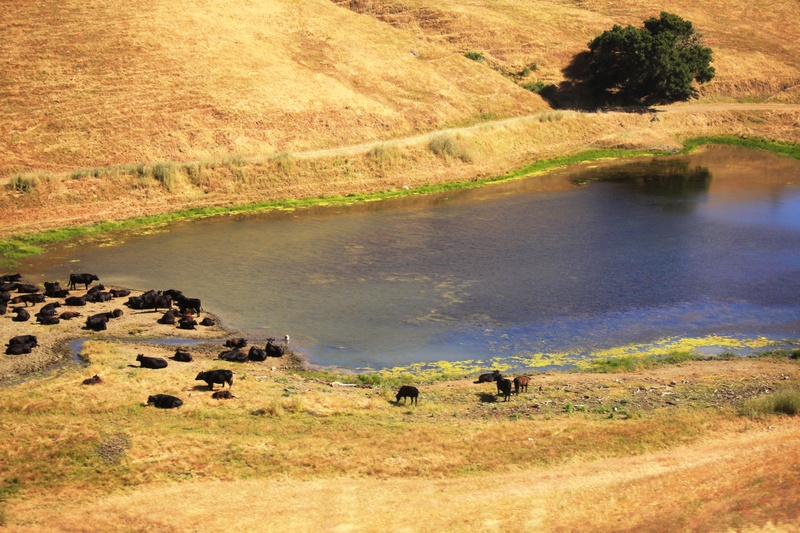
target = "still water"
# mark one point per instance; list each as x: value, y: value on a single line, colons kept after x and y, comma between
x: 590, y: 257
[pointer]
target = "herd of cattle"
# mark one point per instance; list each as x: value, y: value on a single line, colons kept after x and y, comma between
x: 183, y: 316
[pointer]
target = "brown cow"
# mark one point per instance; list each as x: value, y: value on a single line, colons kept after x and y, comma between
x: 521, y: 383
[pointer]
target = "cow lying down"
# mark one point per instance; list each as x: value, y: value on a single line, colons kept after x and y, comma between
x: 164, y: 401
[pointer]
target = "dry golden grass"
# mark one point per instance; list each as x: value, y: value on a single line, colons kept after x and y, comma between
x: 292, y: 450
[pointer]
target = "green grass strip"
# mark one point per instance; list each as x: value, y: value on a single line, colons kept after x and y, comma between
x: 20, y: 246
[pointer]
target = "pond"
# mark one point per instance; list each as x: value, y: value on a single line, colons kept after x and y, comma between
x: 578, y: 260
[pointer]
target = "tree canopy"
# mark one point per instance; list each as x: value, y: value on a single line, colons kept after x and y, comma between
x: 653, y: 64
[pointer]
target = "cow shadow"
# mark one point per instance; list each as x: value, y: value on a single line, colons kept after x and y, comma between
x: 487, y: 397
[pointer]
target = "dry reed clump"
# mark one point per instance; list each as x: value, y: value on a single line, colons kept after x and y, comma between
x: 383, y: 156
x: 449, y: 146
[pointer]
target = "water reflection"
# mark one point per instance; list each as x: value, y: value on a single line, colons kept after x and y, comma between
x: 648, y: 249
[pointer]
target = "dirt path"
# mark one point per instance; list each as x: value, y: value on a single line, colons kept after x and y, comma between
x: 569, y: 115
x: 649, y: 491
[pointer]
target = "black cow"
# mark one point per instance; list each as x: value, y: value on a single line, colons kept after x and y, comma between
x: 28, y: 298
x: 182, y: 355
x: 174, y: 294
x: 164, y: 401
x: 97, y: 322
x: 187, y: 322
x: 168, y: 318
x: 69, y: 315
x: 488, y: 378
x: 274, y: 350
x: 19, y: 349
x: 222, y: 395
x: 24, y: 339
x: 94, y: 290
x: 256, y: 354
x: 407, y: 391
x: 151, y: 362
x: 119, y: 293
x: 49, y: 309
x: 216, y: 376
x: 8, y: 278
x: 236, y: 342
x: 5, y: 296
x: 187, y: 305
x: 3, y: 307
x: 236, y: 356
x: 208, y: 322
x: 94, y: 380
x: 100, y: 296
x: 86, y: 279
x: 48, y: 320
x: 21, y: 315
x: 75, y: 301
x: 53, y: 289
x: 504, y: 388
x: 26, y: 288
x: 6, y: 287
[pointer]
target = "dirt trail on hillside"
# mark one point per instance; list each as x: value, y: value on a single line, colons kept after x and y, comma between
x: 671, y: 490
x: 565, y: 114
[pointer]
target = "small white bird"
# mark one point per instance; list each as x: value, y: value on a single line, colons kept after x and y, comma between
x: 286, y: 339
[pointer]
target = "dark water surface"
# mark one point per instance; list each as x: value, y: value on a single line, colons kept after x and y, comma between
x: 695, y: 245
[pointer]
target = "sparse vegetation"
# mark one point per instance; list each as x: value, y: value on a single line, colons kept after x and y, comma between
x: 475, y: 56
x: 22, y: 184
x: 784, y: 401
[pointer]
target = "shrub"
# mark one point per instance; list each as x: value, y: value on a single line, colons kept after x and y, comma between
x: 447, y: 146
x: 22, y: 184
x: 534, y: 86
x: 166, y: 174
x: 383, y: 155
x: 784, y: 401
x: 475, y: 56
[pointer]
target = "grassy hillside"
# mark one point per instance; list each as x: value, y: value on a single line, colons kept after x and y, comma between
x: 103, y: 82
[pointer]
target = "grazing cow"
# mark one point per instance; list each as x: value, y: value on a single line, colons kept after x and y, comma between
x: 236, y: 342
x: 151, y: 362
x: 86, y: 279
x: 407, y: 391
x: 174, y: 294
x: 190, y: 304
x: 182, y: 355
x: 256, y: 354
x: 274, y: 350
x: 119, y: 293
x: 24, y: 339
x: 27, y: 288
x: 94, y: 380
x: 97, y: 322
x: 75, y: 301
x: 208, y: 322
x: 222, y: 395
x: 521, y: 383
x: 504, y: 388
x: 22, y: 315
x: 187, y: 322
x: 216, y: 376
x: 69, y: 315
x: 164, y: 401
x: 236, y: 356
x: 489, y: 378
x: 9, y: 278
